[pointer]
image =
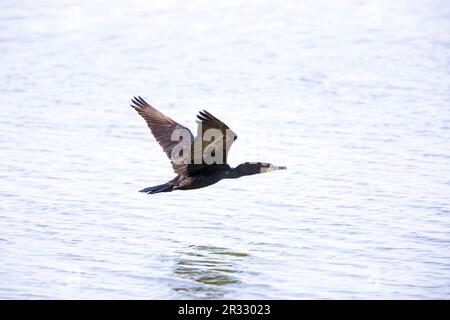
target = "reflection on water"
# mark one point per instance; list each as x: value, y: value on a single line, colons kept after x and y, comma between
x: 210, y: 269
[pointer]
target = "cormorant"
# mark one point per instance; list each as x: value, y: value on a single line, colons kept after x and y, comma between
x: 198, y: 162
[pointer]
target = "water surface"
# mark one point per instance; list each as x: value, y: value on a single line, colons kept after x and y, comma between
x: 353, y: 97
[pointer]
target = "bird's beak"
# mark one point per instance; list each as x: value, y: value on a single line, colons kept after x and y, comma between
x: 272, y: 168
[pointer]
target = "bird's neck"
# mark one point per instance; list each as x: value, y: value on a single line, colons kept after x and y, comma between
x: 230, y: 173
x: 244, y: 169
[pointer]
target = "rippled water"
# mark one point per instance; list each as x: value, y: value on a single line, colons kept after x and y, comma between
x: 352, y: 96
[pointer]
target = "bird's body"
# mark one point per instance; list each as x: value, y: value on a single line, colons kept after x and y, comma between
x: 198, y: 162
x: 188, y: 182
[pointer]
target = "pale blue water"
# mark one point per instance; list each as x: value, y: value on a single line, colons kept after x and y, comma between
x: 352, y: 96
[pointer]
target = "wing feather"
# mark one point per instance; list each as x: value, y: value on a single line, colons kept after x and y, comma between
x: 162, y: 128
x: 227, y: 136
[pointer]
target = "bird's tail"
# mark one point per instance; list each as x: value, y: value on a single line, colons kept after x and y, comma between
x: 156, y: 189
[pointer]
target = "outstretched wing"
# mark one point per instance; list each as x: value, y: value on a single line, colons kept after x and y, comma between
x: 163, y: 128
x: 211, y: 146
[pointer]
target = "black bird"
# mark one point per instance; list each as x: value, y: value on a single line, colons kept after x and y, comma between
x: 198, y: 162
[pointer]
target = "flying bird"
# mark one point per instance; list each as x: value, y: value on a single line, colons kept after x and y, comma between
x: 198, y: 162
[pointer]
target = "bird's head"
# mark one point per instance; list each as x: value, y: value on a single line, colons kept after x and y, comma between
x: 249, y: 168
